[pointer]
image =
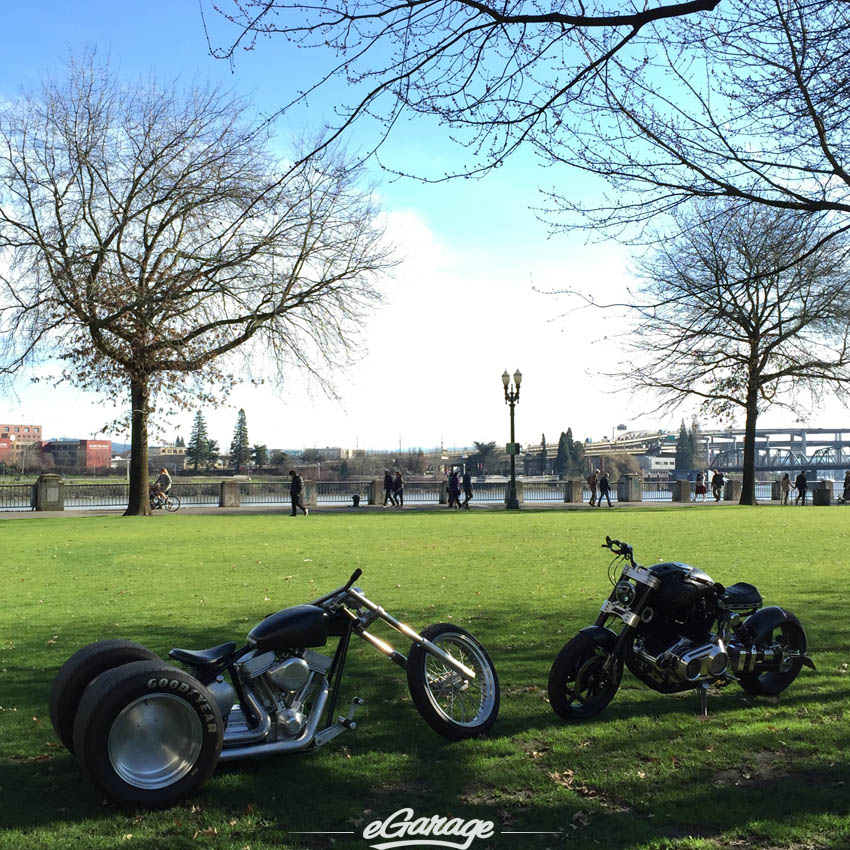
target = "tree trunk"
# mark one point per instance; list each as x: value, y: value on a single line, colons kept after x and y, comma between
x: 139, y: 504
x: 748, y: 483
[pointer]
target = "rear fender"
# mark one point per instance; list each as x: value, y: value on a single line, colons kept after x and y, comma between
x: 765, y: 620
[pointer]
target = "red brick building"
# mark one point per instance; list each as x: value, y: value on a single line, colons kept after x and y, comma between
x: 16, y: 438
x: 80, y: 454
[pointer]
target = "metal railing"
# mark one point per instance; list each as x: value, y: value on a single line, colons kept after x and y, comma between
x: 17, y: 497
x: 263, y: 492
x: 657, y: 491
x: 106, y: 495
x: 114, y: 495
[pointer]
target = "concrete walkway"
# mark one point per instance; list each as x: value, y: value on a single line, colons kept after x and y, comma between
x: 318, y: 510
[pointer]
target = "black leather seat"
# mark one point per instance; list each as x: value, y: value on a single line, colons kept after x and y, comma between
x: 742, y: 597
x: 203, y: 657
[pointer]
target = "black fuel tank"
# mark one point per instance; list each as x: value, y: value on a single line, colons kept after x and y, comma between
x: 299, y: 626
x: 681, y: 584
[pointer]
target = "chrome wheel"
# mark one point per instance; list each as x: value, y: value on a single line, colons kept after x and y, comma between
x: 155, y: 741
x: 453, y: 705
x: 458, y: 699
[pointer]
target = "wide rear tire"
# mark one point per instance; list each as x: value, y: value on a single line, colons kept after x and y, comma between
x: 148, y: 734
x: 450, y: 704
x: 79, y: 671
x: 788, y: 634
x: 580, y: 686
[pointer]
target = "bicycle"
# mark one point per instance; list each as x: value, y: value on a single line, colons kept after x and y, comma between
x: 169, y: 501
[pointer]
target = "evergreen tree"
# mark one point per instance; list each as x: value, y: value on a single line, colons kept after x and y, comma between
x: 180, y: 443
x: 240, y: 448
x: 212, y: 453
x: 261, y: 456
x: 197, y: 452
x: 576, y: 454
x: 684, y: 449
x: 562, y: 458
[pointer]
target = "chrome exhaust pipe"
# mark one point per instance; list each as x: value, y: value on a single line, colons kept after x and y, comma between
x: 293, y: 745
x: 251, y: 735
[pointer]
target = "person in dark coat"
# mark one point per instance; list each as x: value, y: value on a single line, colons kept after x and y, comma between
x: 388, y: 488
x: 604, y: 490
x: 802, y: 487
x: 717, y: 485
x: 467, y: 488
x: 454, y: 489
x: 397, y: 493
x: 296, y: 492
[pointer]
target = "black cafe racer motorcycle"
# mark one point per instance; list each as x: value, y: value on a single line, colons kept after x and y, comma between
x: 675, y: 629
x: 148, y: 733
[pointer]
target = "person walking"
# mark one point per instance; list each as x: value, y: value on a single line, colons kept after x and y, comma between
x: 592, y: 481
x: 388, y: 487
x: 397, y: 493
x: 785, y: 488
x: 454, y: 489
x: 296, y: 492
x: 802, y: 488
x: 845, y: 495
x: 717, y: 483
x: 699, y: 489
x: 604, y: 490
x: 467, y: 488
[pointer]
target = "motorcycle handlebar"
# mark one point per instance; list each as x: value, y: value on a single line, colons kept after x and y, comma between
x: 617, y: 547
x: 354, y: 576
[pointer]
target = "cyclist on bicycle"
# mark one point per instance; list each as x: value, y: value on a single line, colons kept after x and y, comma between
x: 160, y: 487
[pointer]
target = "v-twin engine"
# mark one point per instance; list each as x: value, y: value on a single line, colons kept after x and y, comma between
x: 687, y: 661
x: 279, y: 694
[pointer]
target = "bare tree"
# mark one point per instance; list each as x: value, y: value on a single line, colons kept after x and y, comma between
x: 150, y: 236
x: 738, y: 99
x: 746, y: 103
x: 497, y: 73
x: 746, y: 307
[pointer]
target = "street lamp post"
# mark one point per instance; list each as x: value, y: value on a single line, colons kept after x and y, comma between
x: 511, y: 399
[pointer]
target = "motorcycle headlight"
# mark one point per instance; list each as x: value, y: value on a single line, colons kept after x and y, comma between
x: 624, y: 593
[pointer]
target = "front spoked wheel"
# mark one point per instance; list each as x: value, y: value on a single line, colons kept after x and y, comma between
x: 451, y: 704
x: 583, y: 679
x: 172, y: 503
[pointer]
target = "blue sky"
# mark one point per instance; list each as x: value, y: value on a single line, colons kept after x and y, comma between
x: 461, y: 308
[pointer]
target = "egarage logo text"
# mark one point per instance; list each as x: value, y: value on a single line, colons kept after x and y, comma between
x: 404, y: 829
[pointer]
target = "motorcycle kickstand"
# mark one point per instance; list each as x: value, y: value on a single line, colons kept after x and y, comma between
x: 342, y: 724
x: 702, y: 693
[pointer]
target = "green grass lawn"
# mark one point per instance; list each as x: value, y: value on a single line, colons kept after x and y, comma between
x: 648, y: 773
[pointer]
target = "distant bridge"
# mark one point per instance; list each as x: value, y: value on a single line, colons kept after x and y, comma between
x: 777, y: 449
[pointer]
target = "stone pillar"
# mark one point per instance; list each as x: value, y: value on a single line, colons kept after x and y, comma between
x: 682, y: 490
x: 311, y: 494
x: 374, y: 490
x: 629, y: 488
x: 732, y: 490
x: 444, y: 493
x: 776, y: 491
x: 520, y: 492
x: 574, y: 490
x: 228, y: 496
x: 50, y: 493
x: 822, y: 494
